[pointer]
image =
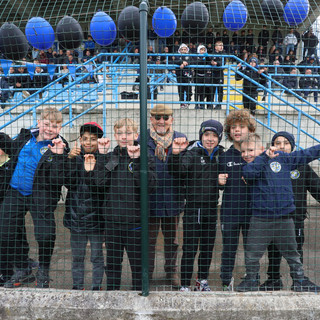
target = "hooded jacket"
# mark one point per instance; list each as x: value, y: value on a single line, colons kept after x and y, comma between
x: 271, y: 188
x: 198, y: 172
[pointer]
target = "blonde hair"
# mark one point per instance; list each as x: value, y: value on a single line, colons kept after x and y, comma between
x: 52, y: 114
x: 239, y: 116
x: 252, y: 137
x: 126, y: 122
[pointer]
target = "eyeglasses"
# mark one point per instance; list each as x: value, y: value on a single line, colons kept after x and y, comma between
x: 164, y: 117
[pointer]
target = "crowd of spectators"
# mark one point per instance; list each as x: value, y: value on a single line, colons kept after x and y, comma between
x: 277, y: 49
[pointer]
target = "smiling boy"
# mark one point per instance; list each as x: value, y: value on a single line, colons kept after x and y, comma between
x: 31, y: 188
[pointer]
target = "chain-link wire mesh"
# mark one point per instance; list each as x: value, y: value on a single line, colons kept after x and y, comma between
x: 70, y: 214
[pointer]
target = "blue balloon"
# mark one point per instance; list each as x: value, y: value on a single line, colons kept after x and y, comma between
x: 103, y: 29
x: 39, y: 33
x: 164, y: 22
x: 235, y: 15
x: 296, y: 11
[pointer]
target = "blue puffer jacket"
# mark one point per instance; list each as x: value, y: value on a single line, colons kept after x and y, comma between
x: 270, y: 180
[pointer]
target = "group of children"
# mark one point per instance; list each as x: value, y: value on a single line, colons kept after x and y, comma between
x: 103, y: 201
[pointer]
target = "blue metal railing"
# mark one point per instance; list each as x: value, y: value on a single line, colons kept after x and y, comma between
x: 116, y: 72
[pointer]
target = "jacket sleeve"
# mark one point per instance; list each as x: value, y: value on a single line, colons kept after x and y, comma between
x: 239, y: 76
x: 302, y: 157
x: 6, y: 144
x: 254, y: 170
x: 312, y: 182
x: 101, y: 174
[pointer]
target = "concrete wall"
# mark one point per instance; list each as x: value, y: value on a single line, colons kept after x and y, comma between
x: 119, y: 305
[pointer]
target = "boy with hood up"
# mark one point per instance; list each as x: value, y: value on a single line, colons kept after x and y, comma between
x: 194, y: 164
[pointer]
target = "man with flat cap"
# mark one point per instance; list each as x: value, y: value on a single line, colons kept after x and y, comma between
x: 168, y: 201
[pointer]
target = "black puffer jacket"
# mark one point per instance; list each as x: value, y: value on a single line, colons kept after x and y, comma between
x: 83, y: 204
x: 118, y: 177
x: 304, y: 179
x: 48, y: 179
x: 199, y: 173
x: 248, y: 85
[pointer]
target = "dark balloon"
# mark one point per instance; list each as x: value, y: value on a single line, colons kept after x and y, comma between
x: 129, y: 23
x: 69, y: 33
x: 13, y: 43
x: 195, y: 18
x: 272, y: 9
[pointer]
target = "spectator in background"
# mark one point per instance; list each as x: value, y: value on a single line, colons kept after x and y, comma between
x: 309, y: 84
x: 49, y: 55
x: 277, y: 39
x: 152, y: 37
x: 4, y: 91
x: 276, y: 73
x: 22, y: 81
x: 250, y: 42
x: 261, y: 53
x: 292, y: 81
x: 209, y: 37
x: 310, y: 41
x: 87, y: 55
x: 40, y: 80
x: 263, y: 38
x: 225, y: 40
x: 43, y: 59
x: 288, y: 63
x: 236, y: 40
x: 89, y: 44
x: 290, y: 41
x: 298, y: 36
x: 184, y: 76
x: 71, y: 59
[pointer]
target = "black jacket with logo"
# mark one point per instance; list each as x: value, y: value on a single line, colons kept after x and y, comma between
x: 199, y: 173
x: 118, y: 177
x: 304, y: 179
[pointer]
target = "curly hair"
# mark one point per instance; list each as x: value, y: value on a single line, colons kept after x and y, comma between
x: 239, y: 116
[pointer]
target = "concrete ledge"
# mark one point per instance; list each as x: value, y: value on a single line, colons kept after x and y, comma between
x: 63, y: 304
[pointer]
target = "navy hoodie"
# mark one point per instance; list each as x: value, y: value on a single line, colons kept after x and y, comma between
x: 235, y: 202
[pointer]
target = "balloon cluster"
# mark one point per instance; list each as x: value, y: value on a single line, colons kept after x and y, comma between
x: 294, y: 13
x: 194, y: 19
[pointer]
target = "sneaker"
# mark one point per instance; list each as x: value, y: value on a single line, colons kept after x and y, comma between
x: 161, y: 88
x: 202, y: 285
x: 185, y: 289
x: 248, y: 285
x: 76, y: 287
x: 33, y: 264
x: 20, y: 277
x: 2, y: 280
x: 209, y: 106
x: 271, y: 285
x: 43, y: 279
x: 183, y: 106
x: 217, y: 107
x: 304, y: 285
x: 230, y: 286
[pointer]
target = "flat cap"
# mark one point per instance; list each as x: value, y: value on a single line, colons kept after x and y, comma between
x: 161, y: 109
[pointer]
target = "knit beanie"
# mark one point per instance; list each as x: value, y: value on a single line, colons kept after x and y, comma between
x: 287, y: 135
x: 211, y: 125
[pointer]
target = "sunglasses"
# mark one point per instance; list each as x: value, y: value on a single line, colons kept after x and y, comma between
x: 164, y: 117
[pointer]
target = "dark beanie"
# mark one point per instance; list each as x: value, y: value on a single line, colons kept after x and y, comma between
x: 211, y: 125
x: 287, y: 135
